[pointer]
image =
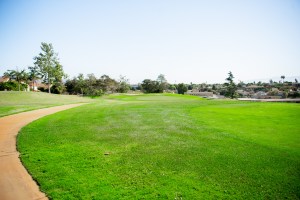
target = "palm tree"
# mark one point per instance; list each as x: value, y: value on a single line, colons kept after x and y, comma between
x: 34, y: 74
x: 282, y: 77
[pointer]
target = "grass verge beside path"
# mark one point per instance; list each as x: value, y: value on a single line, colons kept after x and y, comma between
x: 166, y: 147
x: 15, y: 102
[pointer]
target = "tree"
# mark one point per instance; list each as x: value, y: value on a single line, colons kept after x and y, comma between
x: 150, y: 86
x: 91, y: 86
x: 190, y: 86
x: 163, y: 84
x: 123, y: 86
x: 49, y: 66
x: 181, y: 88
x: 17, y: 75
x: 9, y: 74
x: 214, y: 87
x: 240, y: 84
x: 8, y: 86
x: 172, y: 87
x: 230, y: 86
x: 107, y: 84
x: 81, y: 84
x: 147, y: 86
x: 78, y: 85
x: 282, y: 77
x: 57, y: 80
x: 71, y: 86
x: 34, y: 74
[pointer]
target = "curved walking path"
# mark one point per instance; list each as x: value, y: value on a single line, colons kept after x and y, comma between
x: 15, y: 182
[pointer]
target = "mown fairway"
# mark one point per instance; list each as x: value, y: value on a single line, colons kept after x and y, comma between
x: 166, y: 147
x: 12, y: 102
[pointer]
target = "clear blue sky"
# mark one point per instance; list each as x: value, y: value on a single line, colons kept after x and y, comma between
x: 187, y: 41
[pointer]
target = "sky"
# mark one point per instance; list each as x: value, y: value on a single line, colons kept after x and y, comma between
x: 197, y: 41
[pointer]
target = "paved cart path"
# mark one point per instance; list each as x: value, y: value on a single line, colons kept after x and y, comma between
x: 15, y: 182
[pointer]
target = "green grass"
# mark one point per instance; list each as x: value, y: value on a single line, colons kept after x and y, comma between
x: 166, y: 147
x: 14, y: 102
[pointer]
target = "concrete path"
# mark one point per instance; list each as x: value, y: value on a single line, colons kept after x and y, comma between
x: 15, y: 182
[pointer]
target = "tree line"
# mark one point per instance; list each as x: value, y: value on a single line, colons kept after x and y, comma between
x: 47, y: 69
x: 93, y: 86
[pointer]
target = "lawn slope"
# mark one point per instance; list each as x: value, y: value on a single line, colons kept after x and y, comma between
x: 12, y: 102
x: 166, y: 147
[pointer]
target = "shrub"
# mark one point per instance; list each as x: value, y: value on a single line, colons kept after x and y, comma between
x: 12, y: 86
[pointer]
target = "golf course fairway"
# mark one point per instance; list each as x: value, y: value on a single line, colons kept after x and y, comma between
x: 166, y: 147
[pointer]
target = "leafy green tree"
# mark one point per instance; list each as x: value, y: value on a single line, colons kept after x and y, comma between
x: 107, y: 84
x: 172, y: 87
x: 190, y: 86
x: 10, y: 86
x: 161, y: 78
x: 163, y: 83
x: 123, y: 86
x: 150, y: 86
x: 49, y: 66
x: 230, y: 86
x: 58, y: 75
x: 92, y: 86
x: 111, y: 85
x: 181, y: 88
x: 147, y: 86
x: 81, y: 83
x: 70, y: 86
x: 58, y: 72
x: 214, y: 87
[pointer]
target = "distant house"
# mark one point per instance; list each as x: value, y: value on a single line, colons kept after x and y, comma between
x: 33, y: 86
x: 200, y: 94
x: 39, y: 85
x: 259, y: 95
x: 4, y: 79
x: 243, y: 93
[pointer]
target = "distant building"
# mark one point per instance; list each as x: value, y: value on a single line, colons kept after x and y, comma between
x: 243, y: 93
x: 200, y: 94
x: 259, y: 95
x: 4, y: 79
x: 33, y: 86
